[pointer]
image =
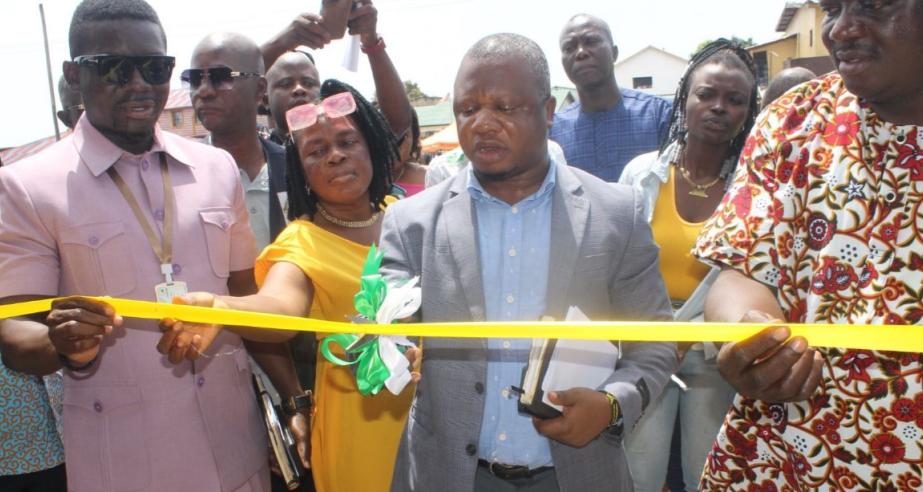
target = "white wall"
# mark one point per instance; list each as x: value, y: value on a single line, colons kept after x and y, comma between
x: 666, y: 71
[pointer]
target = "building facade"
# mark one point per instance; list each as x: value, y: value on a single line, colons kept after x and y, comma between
x: 799, y: 46
x: 651, y: 70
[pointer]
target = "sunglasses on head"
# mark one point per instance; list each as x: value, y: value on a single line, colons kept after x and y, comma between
x: 335, y: 106
x: 118, y: 69
x: 220, y: 78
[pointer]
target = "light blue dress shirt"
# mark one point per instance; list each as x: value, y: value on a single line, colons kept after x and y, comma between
x: 513, y: 244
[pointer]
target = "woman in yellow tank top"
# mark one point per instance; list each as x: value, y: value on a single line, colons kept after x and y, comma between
x: 714, y: 108
x: 338, y: 175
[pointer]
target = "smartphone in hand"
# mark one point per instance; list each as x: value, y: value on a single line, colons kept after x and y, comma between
x: 335, y: 14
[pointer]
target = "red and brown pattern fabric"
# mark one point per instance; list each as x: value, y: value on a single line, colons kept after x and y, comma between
x: 826, y: 209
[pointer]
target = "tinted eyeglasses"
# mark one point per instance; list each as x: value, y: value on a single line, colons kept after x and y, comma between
x: 220, y: 78
x: 335, y: 106
x: 118, y: 69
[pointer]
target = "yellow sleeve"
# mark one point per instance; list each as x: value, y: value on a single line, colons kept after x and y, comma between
x: 293, y: 245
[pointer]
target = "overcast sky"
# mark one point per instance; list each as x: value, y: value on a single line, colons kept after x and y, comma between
x: 425, y: 38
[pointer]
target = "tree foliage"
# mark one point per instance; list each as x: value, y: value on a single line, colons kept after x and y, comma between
x: 413, y: 91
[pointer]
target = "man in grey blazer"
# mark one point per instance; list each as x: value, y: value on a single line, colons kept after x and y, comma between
x: 518, y: 236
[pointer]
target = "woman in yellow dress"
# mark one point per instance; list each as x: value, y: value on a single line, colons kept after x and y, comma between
x: 338, y: 173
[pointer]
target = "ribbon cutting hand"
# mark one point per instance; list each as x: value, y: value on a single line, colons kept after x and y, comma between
x: 415, y: 357
x: 769, y: 366
x: 76, y: 327
x: 187, y: 341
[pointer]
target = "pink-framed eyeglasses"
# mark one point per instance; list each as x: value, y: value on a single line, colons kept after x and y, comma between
x: 335, y: 106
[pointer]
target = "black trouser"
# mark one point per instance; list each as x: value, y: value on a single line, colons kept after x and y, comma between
x: 50, y: 480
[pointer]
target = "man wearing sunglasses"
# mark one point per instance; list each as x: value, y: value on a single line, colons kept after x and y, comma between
x: 121, y: 208
x: 226, y: 86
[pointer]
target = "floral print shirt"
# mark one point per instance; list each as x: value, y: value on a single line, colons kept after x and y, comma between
x: 827, y: 209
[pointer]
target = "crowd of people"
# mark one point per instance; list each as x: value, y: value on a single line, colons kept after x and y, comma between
x: 800, y: 203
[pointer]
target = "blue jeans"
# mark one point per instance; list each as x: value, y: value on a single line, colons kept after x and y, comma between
x: 701, y: 408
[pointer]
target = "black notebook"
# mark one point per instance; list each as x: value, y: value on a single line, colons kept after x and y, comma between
x: 557, y: 365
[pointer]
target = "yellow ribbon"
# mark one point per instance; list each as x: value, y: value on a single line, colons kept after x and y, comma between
x: 898, y: 338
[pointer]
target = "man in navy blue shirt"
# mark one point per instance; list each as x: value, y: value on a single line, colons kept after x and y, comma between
x: 607, y: 127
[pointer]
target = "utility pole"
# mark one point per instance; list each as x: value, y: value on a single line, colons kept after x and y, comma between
x: 54, y: 105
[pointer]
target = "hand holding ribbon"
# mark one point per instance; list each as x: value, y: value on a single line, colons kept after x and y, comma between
x: 379, y: 360
x: 183, y: 340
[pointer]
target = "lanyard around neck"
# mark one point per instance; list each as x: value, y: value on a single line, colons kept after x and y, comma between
x: 162, y: 249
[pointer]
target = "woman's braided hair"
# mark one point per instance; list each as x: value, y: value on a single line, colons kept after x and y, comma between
x: 378, y: 137
x: 727, y: 53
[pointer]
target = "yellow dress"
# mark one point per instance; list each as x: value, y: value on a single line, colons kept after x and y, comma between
x: 676, y: 238
x: 354, y: 438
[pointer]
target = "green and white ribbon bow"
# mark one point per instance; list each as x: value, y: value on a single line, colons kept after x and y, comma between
x: 378, y: 360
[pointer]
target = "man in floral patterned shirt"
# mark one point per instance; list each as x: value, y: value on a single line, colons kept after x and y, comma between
x: 824, y: 223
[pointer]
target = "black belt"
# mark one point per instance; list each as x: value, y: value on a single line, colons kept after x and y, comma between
x: 512, y: 472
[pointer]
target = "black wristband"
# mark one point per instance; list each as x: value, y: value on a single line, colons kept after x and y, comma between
x: 66, y: 362
x: 292, y: 405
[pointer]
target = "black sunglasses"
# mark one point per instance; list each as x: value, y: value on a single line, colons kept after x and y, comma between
x: 221, y: 78
x: 118, y: 69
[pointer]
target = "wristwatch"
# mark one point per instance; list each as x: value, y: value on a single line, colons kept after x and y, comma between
x: 615, y: 422
x: 293, y: 404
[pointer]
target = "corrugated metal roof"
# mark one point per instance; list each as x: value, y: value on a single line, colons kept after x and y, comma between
x: 179, y: 98
x: 758, y: 47
x: 441, y: 114
x: 14, y: 154
x: 561, y: 96
x: 788, y: 13
x: 438, y: 114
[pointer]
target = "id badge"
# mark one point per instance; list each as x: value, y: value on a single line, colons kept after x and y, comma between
x: 167, y: 291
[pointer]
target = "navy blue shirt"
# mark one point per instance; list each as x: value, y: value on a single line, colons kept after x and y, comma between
x: 602, y: 143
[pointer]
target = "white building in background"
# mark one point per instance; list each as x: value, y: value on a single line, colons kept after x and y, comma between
x: 651, y: 70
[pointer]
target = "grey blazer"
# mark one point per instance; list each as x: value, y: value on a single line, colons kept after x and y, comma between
x: 604, y: 261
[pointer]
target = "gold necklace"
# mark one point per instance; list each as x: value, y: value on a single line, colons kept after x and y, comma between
x: 698, y: 190
x: 349, y: 224
x: 401, y: 175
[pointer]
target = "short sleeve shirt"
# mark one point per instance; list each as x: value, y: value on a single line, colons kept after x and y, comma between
x: 825, y: 209
x: 65, y: 229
